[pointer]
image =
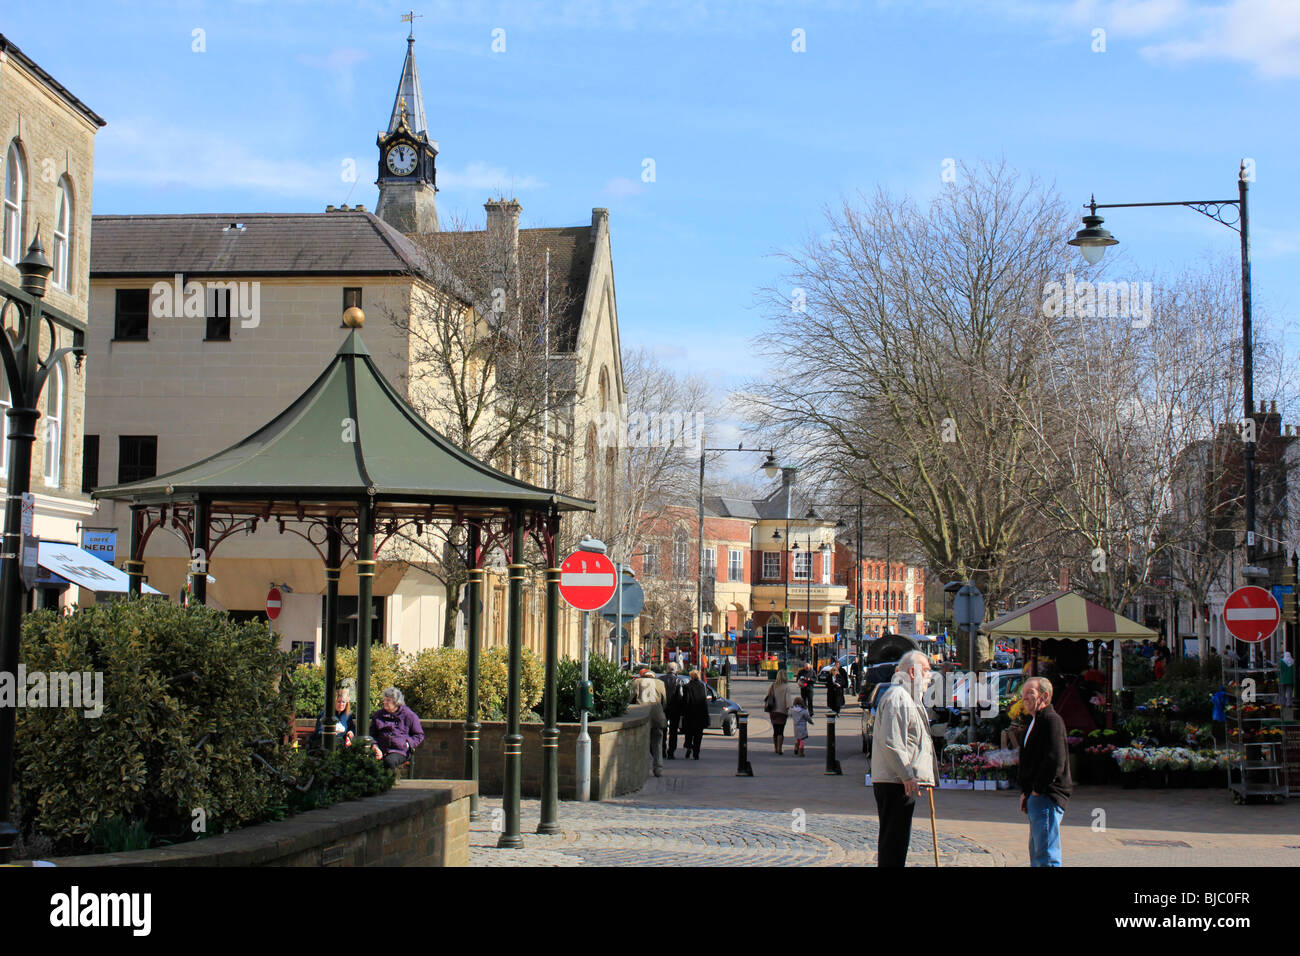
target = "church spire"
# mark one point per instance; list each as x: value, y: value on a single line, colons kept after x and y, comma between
x: 408, y: 89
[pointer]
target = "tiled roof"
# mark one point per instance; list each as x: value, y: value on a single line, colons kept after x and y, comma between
x: 331, y: 243
x: 571, y: 255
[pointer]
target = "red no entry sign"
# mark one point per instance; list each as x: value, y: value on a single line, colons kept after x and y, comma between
x: 1251, y: 614
x: 587, y: 580
x: 273, y: 600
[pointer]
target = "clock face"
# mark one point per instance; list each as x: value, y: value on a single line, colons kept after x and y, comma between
x: 401, y: 160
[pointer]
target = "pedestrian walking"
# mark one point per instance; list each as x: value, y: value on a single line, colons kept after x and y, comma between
x: 648, y: 689
x: 799, y: 714
x: 855, y: 673
x: 1045, y: 784
x: 1286, y: 678
x: 807, y: 678
x: 902, y: 756
x: 672, y: 708
x: 835, y: 686
x: 780, y: 696
x: 695, y: 713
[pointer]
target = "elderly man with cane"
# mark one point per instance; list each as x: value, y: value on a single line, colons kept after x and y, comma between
x: 902, y: 756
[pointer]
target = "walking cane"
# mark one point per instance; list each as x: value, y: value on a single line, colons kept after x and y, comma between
x: 934, y: 830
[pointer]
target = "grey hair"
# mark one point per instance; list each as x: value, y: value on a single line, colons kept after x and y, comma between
x: 909, y: 659
x: 1042, y: 683
x: 395, y: 695
x: 672, y: 667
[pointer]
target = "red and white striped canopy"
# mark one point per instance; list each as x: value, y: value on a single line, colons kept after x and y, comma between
x: 1067, y: 616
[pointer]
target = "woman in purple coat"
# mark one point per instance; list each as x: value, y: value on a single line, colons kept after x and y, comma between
x: 396, y: 729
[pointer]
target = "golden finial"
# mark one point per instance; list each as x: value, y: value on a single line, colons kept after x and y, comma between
x: 354, y: 318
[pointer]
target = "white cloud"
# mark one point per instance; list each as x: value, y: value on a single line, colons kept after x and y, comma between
x: 339, y: 63
x: 1264, y: 34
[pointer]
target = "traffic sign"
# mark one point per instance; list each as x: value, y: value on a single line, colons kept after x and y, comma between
x: 968, y: 606
x: 273, y: 602
x: 633, y: 600
x: 587, y: 580
x: 1251, y: 614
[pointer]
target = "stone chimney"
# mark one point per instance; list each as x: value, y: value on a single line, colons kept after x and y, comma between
x: 503, y: 244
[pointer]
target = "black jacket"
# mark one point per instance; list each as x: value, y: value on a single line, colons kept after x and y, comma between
x: 1045, y: 759
x: 672, y: 695
x: 695, y: 704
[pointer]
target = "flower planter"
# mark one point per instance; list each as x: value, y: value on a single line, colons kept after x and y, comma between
x: 1004, y: 784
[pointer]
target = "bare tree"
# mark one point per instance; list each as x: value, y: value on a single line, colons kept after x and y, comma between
x: 896, y: 343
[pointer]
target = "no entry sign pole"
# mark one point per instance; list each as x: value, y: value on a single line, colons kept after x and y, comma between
x: 1251, y: 614
x: 587, y: 582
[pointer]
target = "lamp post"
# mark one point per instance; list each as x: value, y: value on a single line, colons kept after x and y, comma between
x: 1093, y: 240
x: 770, y: 468
x: 25, y: 372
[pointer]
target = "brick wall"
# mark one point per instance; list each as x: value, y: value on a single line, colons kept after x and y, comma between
x: 417, y: 823
x: 620, y: 754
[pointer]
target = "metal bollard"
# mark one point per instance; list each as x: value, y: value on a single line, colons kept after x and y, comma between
x: 832, y: 765
x: 743, y: 769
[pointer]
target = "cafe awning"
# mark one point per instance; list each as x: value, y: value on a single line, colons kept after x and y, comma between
x: 1066, y: 615
x: 84, y: 569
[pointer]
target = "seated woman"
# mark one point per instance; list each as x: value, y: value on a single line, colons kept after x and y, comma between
x: 396, y: 729
x: 342, y: 717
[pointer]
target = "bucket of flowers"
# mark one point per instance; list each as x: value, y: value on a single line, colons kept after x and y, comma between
x: 1132, y: 762
x: 1180, y: 767
x: 952, y: 776
x: 1158, y: 764
x: 1204, y: 763
x: 1006, y: 765
x: 1098, y: 758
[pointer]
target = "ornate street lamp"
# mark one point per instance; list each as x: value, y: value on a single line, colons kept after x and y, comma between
x: 1092, y: 240
x: 25, y: 372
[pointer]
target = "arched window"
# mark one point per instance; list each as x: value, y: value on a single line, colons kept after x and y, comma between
x: 54, y: 403
x: 15, y: 175
x: 681, y: 554
x: 62, y: 235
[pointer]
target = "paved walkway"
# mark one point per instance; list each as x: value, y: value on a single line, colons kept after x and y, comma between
x: 790, y: 812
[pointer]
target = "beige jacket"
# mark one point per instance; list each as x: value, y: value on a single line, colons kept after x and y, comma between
x: 901, y: 748
x: 651, y: 690
x: 782, y: 696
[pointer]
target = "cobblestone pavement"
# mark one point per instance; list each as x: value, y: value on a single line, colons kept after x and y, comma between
x: 619, y: 834
x: 703, y: 810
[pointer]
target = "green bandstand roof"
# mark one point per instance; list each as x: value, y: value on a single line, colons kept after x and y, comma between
x: 310, y: 459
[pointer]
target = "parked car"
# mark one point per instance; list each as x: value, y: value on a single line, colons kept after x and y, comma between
x: 1006, y: 683
x: 844, y: 659
x: 722, y: 712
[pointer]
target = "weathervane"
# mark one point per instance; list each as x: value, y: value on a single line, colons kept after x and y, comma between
x: 411, y: 18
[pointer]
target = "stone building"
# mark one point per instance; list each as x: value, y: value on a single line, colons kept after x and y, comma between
x: 48, y: 154
x: 205, y: 326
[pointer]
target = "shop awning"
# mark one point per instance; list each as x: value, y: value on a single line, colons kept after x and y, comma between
x: 84, y: 569
x: 1067, y: 616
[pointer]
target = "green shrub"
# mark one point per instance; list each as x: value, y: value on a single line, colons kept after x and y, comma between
x: 611, y: 687
x: 186, y: 692
x: 388, y: 668
x: 308, y: 682
x: 1137, y: 670
x: 324, y: 777
x: 437, y: 685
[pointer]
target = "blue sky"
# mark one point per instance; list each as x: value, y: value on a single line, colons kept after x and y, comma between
x: 750, y: 139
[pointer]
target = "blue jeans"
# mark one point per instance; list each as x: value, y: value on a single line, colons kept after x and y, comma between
x: 1044, y: 831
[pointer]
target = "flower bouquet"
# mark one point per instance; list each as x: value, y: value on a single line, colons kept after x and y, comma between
x: 1204, y: 763
x: 1005, y: 764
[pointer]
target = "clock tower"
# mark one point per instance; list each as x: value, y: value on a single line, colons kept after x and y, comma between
x: 407, y: 179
